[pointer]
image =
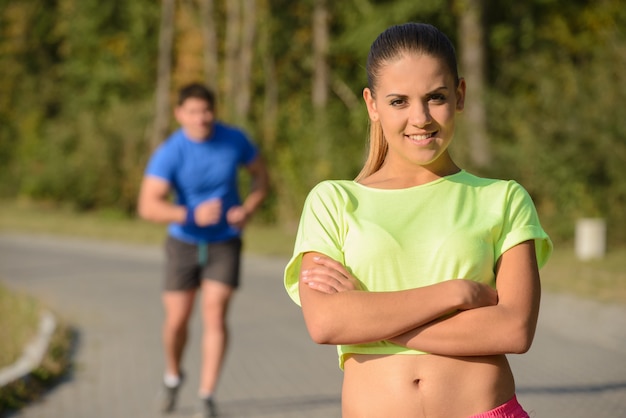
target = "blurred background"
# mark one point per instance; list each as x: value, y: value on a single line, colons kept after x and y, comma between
x: 87, y: 89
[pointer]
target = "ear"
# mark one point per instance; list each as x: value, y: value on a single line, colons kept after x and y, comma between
x: 460, y: 95
x: 370, y: 102
x: 177, y: 114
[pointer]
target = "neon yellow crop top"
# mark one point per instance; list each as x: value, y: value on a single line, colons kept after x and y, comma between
x: 455, y: 227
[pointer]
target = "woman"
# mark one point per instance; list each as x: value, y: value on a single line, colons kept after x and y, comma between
x: 422, y: 274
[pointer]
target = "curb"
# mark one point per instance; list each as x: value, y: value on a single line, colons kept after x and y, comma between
x: 33, y: 353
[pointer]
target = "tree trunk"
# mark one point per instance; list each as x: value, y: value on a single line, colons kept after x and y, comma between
x: 209, y: 35
x: 320, y: 52
x: 162, y: 110
x: 472, y: 64
x: 270, y: 88
x: 232, y: 44
x: 320, y: 87
x: 244, y: 85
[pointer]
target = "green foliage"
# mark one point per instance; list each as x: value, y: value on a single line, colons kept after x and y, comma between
x: 77, y: 118
x: 558, y: 121
x: 76, y: 99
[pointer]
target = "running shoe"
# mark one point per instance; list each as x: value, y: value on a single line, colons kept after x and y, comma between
x: 170, y: 393
x: 209, y: 410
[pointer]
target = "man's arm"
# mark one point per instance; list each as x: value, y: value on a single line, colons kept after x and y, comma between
x: 259, y: 178
x: 154, y: 204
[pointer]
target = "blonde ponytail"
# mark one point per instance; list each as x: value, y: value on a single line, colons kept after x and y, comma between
x: 377, y: 151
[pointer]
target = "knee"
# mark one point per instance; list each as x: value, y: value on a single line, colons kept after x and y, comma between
x: 214, y: 322
x: 176, y: 323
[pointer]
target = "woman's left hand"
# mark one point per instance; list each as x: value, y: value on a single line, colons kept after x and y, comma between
x: 329, y: 276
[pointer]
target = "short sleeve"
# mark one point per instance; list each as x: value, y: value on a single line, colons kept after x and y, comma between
x: 521, y: 223
x: 248, y: 151
x: 163, y: 163
x: 321, y: 230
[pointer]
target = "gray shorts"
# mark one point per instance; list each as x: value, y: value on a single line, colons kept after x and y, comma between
x: 187, y: 264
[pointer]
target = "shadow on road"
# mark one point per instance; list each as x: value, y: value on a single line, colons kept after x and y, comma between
x: 568, y: 390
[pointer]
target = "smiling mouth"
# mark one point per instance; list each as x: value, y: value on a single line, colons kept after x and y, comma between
x: 423, y: 137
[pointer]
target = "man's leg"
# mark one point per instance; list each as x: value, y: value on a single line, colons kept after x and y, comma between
x: 215, y: 300
x: 178, y: 307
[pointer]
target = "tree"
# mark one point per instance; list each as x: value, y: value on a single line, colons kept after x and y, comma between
x: 79, y: 112
x: 244, y: 84
x: 231, y: 56
x: 270, y: 108
x: 472, y: 58
x: 209, y: 35
x: 320, y: 52
x: 162, y: 108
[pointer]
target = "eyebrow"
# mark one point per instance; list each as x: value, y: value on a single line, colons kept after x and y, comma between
x: 438, y: 89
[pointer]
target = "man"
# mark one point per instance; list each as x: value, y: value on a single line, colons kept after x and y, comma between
x: 198, y: 163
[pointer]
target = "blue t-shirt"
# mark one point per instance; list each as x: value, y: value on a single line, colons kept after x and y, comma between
x: 198, y: 171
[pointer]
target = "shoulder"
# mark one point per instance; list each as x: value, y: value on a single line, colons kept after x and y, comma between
x: 491, y: 194
x: 489, y: 185
x: 224, y: 130
x: 472, y: 180
x: 235, y: 138
x: 331, y: 193
x: 176, y: 138
x: 509, y: 197
x: 174, y: 141
x: 334, y: 188
x: 169, y: 150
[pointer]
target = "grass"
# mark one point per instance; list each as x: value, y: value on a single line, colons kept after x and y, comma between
x: 19, y: 318
x: 27, y: 217
x: 603, y: 280
x: 19, y: 321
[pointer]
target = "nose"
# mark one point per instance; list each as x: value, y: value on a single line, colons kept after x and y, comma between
x: 206, y: 117
x: 419, y: 115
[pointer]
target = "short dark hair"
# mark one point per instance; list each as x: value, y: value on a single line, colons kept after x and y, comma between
x: 197, y: 91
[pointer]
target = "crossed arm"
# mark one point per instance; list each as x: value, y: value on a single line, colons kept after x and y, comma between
x: 456, y: 317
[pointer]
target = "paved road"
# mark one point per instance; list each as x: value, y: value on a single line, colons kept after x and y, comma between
x: 110, y: 292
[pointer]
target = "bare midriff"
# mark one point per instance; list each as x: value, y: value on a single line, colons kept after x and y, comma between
x: 424, y: 386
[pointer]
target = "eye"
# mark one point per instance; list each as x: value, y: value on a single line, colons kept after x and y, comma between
x: 397, y: 102
x: 437, y: 98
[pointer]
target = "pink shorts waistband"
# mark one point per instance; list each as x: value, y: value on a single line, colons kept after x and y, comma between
x: 511, y: 409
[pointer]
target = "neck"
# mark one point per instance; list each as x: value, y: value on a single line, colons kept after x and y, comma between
x: 198, y: 136
x: 393, y: 177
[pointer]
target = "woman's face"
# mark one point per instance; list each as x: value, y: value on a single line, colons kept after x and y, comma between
x: 415, y: 102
